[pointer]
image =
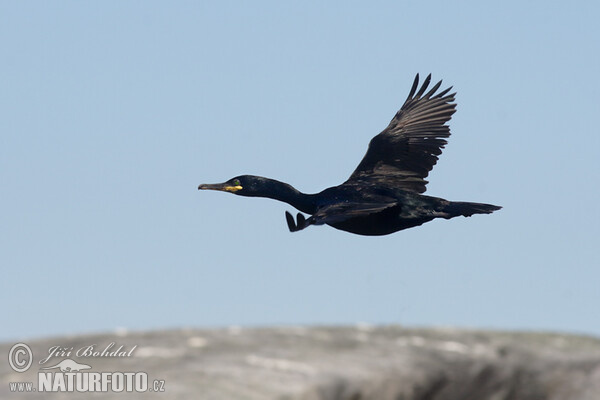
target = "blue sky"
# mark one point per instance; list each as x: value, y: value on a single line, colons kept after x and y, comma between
x: 112, y: 113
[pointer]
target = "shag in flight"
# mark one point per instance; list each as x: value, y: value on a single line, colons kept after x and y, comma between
x: 383, y: 195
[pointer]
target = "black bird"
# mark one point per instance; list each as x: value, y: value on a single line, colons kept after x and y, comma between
x: 383, y: 195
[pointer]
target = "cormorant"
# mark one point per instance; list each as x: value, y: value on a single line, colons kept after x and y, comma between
x: 383, y: 195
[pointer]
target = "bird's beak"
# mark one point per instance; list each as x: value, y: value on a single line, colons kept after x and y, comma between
x: 224, y: 187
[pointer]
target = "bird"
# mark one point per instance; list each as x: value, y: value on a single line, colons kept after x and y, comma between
x: 384, y: 194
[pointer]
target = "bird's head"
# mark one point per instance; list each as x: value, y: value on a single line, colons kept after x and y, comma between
x: 243, y: 185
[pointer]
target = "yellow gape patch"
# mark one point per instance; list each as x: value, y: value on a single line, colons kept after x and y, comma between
x: 232, y: 188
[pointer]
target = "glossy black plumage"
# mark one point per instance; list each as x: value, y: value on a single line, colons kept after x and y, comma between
x: 383, y: 194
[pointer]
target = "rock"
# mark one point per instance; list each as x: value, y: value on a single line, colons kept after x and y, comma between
x: 329, y: 363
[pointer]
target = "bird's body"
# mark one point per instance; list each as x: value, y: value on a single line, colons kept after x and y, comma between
x: 383, y: 195
x: 378, y: 212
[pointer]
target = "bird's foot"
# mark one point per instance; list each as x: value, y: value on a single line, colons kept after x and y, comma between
x: 297, y: 225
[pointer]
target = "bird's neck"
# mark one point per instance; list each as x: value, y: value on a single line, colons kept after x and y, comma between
x: 288, y: 194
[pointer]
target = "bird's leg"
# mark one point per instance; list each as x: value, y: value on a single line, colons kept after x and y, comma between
x: 297, y: 225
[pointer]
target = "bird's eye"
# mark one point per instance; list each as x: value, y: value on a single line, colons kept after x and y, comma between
x: 236, y: 182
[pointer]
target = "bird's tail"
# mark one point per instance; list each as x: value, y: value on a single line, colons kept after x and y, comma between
x: 456, y: 208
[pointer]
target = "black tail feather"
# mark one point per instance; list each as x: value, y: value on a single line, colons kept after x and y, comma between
x: 466, y: 209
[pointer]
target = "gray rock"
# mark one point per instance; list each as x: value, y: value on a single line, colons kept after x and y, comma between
x: 333, y: 363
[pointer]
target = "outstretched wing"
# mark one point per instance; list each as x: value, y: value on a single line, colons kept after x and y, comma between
x: 403, y: 154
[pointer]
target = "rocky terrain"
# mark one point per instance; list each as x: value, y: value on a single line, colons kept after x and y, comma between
x: 314, y: 363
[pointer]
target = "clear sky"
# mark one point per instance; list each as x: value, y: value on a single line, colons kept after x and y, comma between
x: 112, y: 113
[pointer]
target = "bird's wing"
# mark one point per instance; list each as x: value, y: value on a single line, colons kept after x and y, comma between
x: 344, y: 211
x: 402, y: 155
x: 336, y: 213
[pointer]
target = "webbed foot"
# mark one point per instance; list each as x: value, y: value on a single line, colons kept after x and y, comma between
x: 297, y: 225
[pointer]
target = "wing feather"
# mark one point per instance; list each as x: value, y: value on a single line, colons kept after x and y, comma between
x: 404, y: 153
